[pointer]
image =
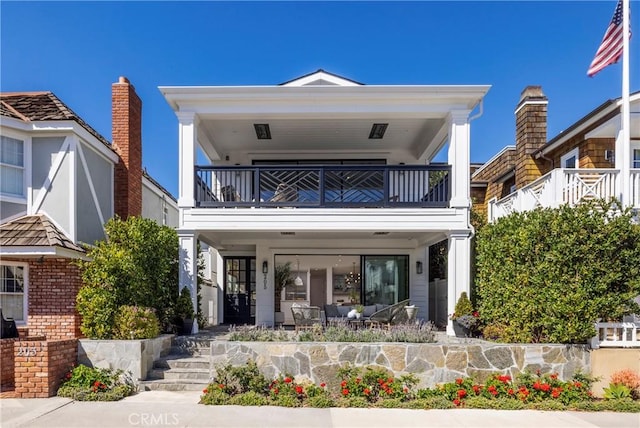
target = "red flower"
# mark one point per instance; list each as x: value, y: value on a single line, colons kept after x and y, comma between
x: 221, y: 385
x: 556, y: 392
x: 287, y: 380
x: 476, y: 389
x: 577, y: 384
x: 476, y: 314
x: 462, y: 393
x: 554, y: 376
x: 405, y: 389
x: 299, y: 389
x: 491, y: 388
x: 366, y: 391
x: 459, y: 381
x: 343, y: 383
x: 510, y: 391
x: 205, y: 391
x: 96, y: 383
x: 456, y: 402
x: 322, y: 385
x: 358, y: 380
x: 536, y: 386
x: 545, y: 387
x: 504, y: 379
x: 345, y: 391
x: 390, y: 380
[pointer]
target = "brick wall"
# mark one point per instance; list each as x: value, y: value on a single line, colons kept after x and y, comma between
x: 53, y: 286
x: 126, y: 110
x: 40, y: 365
x: 6, y: 359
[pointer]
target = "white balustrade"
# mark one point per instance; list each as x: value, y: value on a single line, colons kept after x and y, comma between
x: 618, y: 334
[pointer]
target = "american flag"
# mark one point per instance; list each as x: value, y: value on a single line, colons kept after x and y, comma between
x: 610, y: 48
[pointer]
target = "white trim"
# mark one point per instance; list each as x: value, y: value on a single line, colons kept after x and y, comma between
x: 13, y: 217
x: 14, y: 199
x: 25, y: 292
x: 90, y: 182
x: 73, y: 188
x: 573, y: 153
x: 531, y: 102
x: 493, y: 159
x: 26, y: 165
x: 52, y: 174
x: 36, y: 251
x: 321, y: 75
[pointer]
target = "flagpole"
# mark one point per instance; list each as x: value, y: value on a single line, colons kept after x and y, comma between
x: 624, y: 147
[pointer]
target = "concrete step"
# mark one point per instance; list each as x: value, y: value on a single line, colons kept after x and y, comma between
x: 182, y: 362
x: 180, y: 374
x: 172, y: 385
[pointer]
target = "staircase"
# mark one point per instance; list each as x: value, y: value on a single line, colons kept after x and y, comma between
x: 186, y: 368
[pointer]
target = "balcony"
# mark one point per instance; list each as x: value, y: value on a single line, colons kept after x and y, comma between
x: 335, y: 186
x: 565, y: 186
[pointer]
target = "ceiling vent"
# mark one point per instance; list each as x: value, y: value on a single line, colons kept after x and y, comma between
x: 287, y: 233
x: 377, y: 131
x: 262, y: 131
x: 380, y: 233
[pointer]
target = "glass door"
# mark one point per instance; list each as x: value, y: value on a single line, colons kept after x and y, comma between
x: 240, y: 290
x: 386, y: 279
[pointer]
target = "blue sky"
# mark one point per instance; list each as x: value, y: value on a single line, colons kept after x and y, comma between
x: 77, y: 49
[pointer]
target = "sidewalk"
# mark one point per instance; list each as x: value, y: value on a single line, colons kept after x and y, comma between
x: 180, y: 409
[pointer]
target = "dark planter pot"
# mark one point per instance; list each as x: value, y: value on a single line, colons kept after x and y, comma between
x: 460, y: 330
x: 186, y: 327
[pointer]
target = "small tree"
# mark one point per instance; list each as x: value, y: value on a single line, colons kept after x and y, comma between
x: 282, y: 280
x: 547, y: 275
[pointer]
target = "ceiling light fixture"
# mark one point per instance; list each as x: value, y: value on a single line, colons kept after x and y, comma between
x: 377, y: 131
x: 298, y: 281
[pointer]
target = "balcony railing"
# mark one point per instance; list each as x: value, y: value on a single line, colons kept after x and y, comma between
x: 566, y: 186
x: 341, y: 186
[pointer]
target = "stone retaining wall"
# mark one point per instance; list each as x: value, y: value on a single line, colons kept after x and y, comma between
x: 431, y: 363
x: 135, y: 356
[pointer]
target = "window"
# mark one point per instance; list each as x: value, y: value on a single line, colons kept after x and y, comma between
x: 570, y: 160
x: 386, y: 279
x: 11, y: 166
x: 635, y: 158
x: 13, y: 281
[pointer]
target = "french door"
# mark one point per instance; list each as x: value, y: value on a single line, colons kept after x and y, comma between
x: 239, y: 290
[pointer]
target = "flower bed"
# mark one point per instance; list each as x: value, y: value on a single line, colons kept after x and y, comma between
x: 375, y: 387
x: 84, y: 383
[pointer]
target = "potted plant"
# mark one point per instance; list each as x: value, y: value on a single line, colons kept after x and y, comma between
x: 184, y: 312
x: 282, y: 279
x: 359, y: 310
x: 464, y: 317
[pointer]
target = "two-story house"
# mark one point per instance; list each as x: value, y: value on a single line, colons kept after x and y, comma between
x: 578, y: 164
x: 330, y: 175
x: 60, y: 182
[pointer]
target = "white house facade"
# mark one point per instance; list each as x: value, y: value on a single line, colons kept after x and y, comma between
x: 332, y: 176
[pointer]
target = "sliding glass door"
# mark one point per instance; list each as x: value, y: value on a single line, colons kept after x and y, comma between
x: 386, y: 279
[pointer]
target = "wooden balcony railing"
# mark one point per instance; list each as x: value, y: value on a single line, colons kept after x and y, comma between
x: 341, y: 186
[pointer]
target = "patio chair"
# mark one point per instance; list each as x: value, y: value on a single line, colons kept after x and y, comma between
x: 284, y: 193
x: 229, y: 194
x: 391, y: 315
x: 305, y: 316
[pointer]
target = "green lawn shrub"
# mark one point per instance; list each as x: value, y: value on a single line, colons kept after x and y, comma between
x: 134, y: 322
x: 547, y: 275
x: 84, y: 383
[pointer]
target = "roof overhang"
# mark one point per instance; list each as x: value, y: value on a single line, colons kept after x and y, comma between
x: 36, y: 251
x: 329, y: 117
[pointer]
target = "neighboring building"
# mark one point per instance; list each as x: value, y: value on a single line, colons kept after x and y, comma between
x: 577, y: 165
x: 61, y: 181
x: 332, y: 176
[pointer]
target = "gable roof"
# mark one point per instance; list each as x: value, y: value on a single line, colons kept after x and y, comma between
x: 44, y: 105
x: 321, y: 77
x: 34, y: 231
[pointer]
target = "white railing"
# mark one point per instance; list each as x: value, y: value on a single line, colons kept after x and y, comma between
x: 618, y: 334
x: 563, y: 186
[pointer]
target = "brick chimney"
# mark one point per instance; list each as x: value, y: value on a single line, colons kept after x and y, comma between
x: 531, y: 134
x: 126, y: 134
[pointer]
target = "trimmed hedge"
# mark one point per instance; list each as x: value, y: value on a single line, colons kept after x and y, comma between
x: 547, y: 275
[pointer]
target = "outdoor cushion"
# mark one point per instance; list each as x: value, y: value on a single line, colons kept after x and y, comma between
x: 343, y: 310
x: 369, y: 310
x: 331, y: 311
x: 380, y: 306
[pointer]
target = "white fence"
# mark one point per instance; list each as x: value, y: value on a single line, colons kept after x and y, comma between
x: 617, y: 335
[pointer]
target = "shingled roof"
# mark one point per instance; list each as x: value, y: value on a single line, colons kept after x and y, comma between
x: 34, y: 231
x: 36, y: 106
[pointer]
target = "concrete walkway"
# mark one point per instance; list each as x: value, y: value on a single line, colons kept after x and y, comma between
x: 180, y: 409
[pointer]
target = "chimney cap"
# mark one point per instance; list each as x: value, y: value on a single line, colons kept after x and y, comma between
x: 123, y: 79
x: 532, y: 92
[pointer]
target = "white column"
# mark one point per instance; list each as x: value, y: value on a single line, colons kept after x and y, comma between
x: 458, y: 158
x: 187, y: 159
x: 189, y: 267
x: 264, y: 287
x: 458, y: 271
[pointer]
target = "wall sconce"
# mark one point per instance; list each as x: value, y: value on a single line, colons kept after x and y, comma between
x: 265, y: 270
x: 419, y: 267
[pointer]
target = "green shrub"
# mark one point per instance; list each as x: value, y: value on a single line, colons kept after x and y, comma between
x: 94, y: 384
x: 463, y: 306
x: 139, y: 262
x: 97, y: 307
x: 133, y: 322
x: 496, y: 404
x: 250, y: 398
x: 238, y: 380
x: 184, y: 305
x: 617, y: 391
x: 215, y: 396
x: 437, y: 403
x: 626, y: 405
x: 257, y: 334
x: 545, y: 289
x: 321, y: 401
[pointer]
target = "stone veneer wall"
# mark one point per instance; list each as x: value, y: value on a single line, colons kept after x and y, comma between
x: 135, y: 356
x: 431, y: 363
